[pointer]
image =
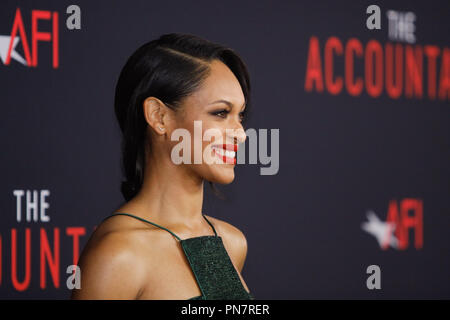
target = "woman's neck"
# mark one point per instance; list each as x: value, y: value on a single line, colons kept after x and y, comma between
x: 172, y: 195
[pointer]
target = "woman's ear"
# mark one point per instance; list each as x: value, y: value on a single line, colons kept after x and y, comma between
x: 154, y: 112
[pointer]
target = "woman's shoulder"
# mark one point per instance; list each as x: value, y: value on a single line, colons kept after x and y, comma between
x: 114, y: 248
x: 115, y: 234
x: 119, y: 236
x: 234, y: 240
x: 227, y: 229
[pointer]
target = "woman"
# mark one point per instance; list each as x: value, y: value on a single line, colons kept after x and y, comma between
x: 159, y: 244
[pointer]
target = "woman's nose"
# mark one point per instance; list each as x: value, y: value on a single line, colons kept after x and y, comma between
x: 239, y: 135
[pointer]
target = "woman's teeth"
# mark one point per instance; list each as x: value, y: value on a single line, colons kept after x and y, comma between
x: 227, y: 153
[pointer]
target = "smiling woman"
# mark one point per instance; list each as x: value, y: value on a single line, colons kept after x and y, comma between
x: 158, y: 244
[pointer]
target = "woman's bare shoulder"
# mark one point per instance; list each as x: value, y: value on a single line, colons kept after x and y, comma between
x: 234, y: 240
x: 112, y: 266
x: 227, y: 229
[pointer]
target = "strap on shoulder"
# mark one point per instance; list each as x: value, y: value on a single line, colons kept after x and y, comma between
x: 130, y: 215
x: 215, y: 233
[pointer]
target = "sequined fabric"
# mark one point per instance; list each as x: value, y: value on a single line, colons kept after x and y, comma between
x: 213, y: 269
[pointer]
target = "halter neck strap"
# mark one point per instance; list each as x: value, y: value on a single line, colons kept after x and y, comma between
x: 157, y: 225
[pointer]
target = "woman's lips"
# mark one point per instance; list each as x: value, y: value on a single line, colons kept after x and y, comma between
x: 223, y: 152
x: 225, y: 146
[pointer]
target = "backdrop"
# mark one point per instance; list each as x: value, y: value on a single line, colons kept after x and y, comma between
x: 358, y: 205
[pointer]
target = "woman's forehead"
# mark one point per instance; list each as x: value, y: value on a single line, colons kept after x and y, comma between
x: 221, y: 84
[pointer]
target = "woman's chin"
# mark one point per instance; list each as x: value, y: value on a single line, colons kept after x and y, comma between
x: 223, y: 176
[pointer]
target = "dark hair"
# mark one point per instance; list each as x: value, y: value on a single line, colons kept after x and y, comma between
x: 169, y: 68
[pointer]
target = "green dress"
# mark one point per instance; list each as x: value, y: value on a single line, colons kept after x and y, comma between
x: 209, y: 260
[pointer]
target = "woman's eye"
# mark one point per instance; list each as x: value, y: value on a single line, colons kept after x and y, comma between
x: 221, y: 113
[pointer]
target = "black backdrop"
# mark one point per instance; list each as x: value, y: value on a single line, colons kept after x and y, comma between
x: 341, y: 155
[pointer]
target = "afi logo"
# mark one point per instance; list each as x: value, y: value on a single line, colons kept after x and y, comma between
x: 9, y: 43
x: 394, y: 232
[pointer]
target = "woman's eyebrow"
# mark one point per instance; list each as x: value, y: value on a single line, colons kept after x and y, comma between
x: 228, y: 103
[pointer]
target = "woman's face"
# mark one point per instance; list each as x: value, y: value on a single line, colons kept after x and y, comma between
x: 218, y: 119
